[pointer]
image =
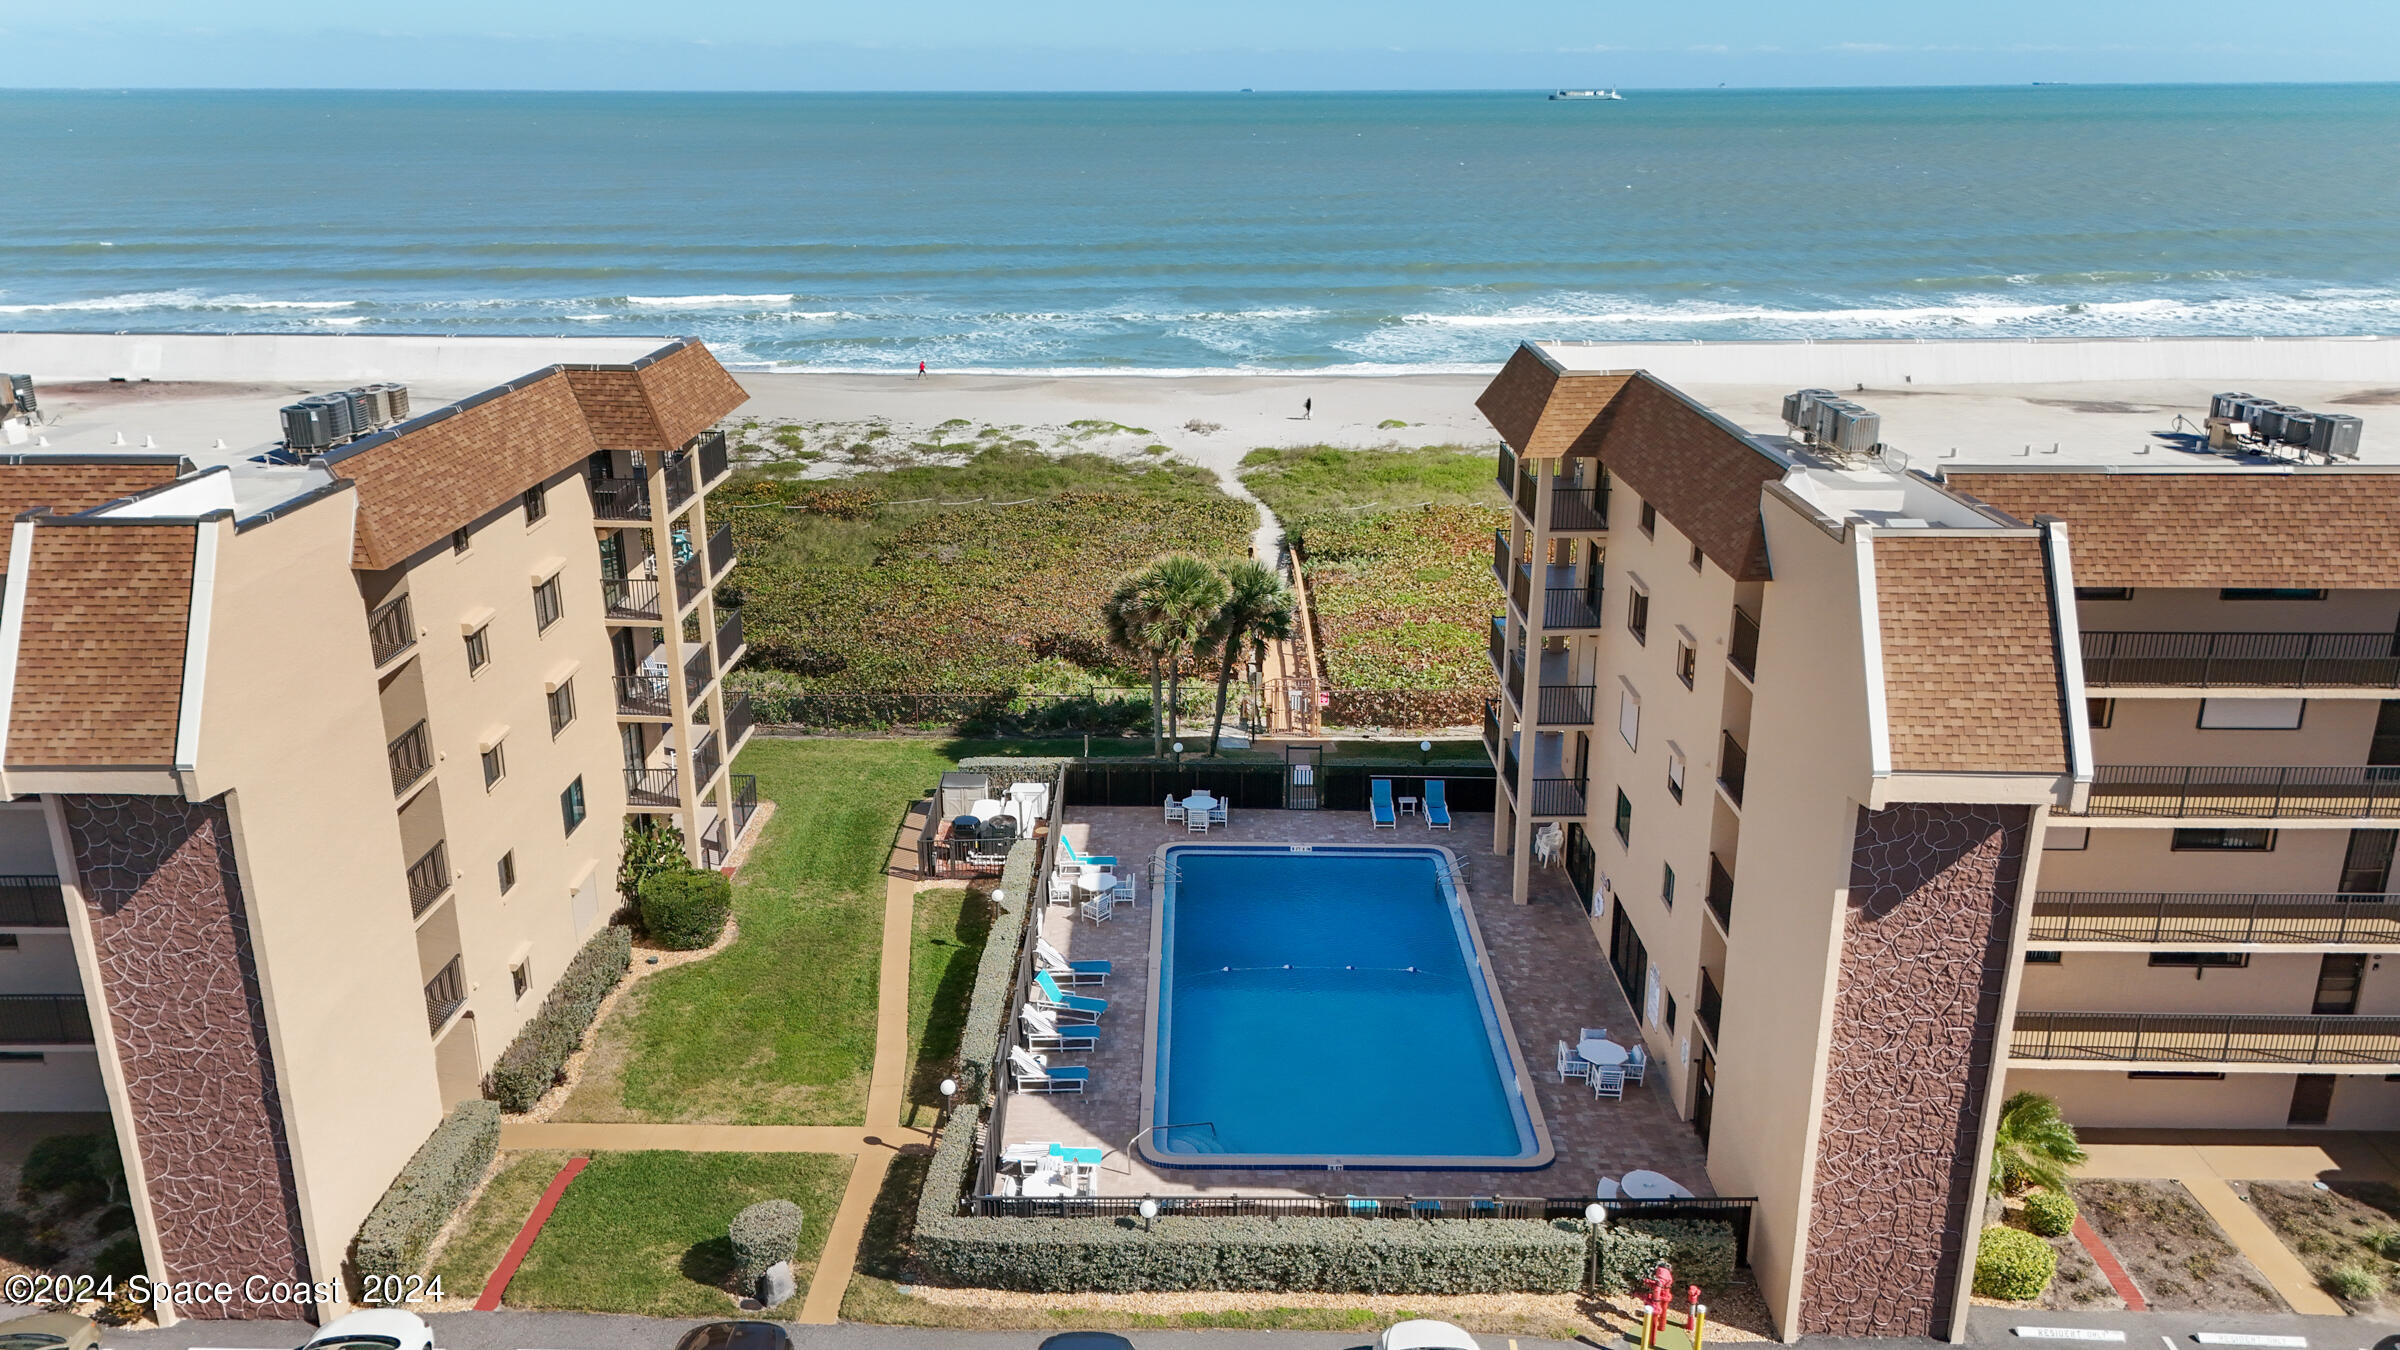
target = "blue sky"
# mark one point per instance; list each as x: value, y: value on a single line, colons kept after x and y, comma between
x: 1214, y: 44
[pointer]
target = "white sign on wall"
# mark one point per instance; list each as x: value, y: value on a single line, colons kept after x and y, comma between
x: 1650, y: 996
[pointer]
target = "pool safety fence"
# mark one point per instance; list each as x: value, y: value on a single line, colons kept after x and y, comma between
x: 990, y: 1022
x: 1337, y: 786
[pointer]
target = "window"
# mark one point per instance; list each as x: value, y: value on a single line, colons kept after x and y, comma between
x: 1697, y: 557
x: 2067, y: 838
x: 537, y: 504
x: 1666, y: 888
x: 508, y: 871
x: 520, y: 977
x: 570, y: 804
x: 495, y: 767
x: 1670, y: 1019
x: 2099, y: 712
x: 546, y: 607
x: 1674, y: 773
x: 1649, y: 520
x: 1637, y: 615
x: 2104, y: 592
x: 2175, y: 1076
x: 2230, y: 841
x: 562, y: 707
x: 20, y: 1057
x: 1687, y: 662
x: 1624, y: 818
x: 479, y: 649
x: 1629, y: 718
x: 2270, y: 593
x: 2201, y: 960
x: 2033, y: 958
x: 2251, y: 714
x: 461, y: 539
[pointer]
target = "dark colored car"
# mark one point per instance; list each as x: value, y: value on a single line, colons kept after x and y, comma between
x: 1087, y: 1340
x: 735, y: 1336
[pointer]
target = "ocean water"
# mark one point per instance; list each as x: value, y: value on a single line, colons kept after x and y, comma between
x: 1190, y: 232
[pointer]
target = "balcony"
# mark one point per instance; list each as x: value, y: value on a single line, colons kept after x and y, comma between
x: 2213, y: 919
x: 1527, y: 489
x: 644, y: 696
x: 2120, y: 660
x: 714, y: 462
x: 696, y: 673
x: 1500, y: 557
x: 1578, y: 508
x: 720, y: 551
x: 428, y: 878
x: 707, y: 757
x: 411, y: 756
x: 631, y: 599
x: 1733, y: 765
x: 1564, y: 705
x: 33, y: 901
x: 44, y: 1019
x: 1570, y: 607
x: 1491, y: 731
x: 445, y: 993
x: 655, y: 788
x: 2328, y: 792
x: 691, y: 578
x: 1562, y: 797
x: 739, y: 719
x: 729, y: 639
x: 391, y: 630
x: 624, y: 500
x: 745, y: 801
x: 1720, y: 893
x: 1742, y: 650
x: 1520, y: 591
x: 2186, y: 1039
x: 1712, y: 1006
x: 682, y: 483
x: 1498, y: 643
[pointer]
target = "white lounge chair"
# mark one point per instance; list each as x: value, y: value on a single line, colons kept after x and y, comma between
x: 1572, y: 1065
x: 1032, y: 1075
x: 1031, y: 1153
x: 1065, y: 972
x: 1174, y: 810
x: 1042, y: 1031
x: 1637, y: 1065
x: 1608, y: 1081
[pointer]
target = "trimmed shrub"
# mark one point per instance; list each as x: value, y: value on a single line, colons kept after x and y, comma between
x: 1700, y: 1250
x: 685, y: 911
x: 2356, y: 1284
x: 392, y: 1242
x: 1438, y: 1256
x: 764, y: 1235
x: 120, y: 1260
x: 82, y: 1170
x: 2013, y: 1264
x: 2050, y: 1213
x: 533, y: 1061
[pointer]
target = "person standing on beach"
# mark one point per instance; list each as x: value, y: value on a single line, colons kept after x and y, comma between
x: 1308, y: 409
x: 920, y: 370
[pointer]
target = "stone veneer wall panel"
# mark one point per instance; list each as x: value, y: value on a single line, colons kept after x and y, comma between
x: 180, y: 981
x: 1925, y: 950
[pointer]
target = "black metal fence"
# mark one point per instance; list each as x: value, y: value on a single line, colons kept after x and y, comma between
x: 2213, y: 917
x: 1260, y: 787
x: 32, y: 901
x: 2259, y: 791
x: 44, y: 1019
x: 2242, y: 660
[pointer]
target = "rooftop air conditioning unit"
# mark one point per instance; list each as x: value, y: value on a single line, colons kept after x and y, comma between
x: 20, y: 389
x: 2298, y: 428
x: 2231, y: 407
x: 1855, y: 430
x: 2334, y: 435
x: 1800, y: 409
x: 337, y: 412
x: 395, y: 401
x: 363, y: 417
x: 2247, y: 408
x: 2274, y: 421
x: 307, y: 426
x: 1828, y: 419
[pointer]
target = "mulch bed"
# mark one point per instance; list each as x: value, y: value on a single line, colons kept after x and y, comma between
x: 2331, y: 1227
x: 2176, y: 1254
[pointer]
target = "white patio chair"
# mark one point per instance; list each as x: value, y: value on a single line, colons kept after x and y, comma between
x: 1220, y: 814
x: 1196, y: 822
x: 1100, y: 908
x: 1174, y: 810
x: 1062, y: 888
x: 1591, y: 1034
x: 1128, y: 890
x: 1637, y: 1065
x: 1608, y: 1082
x: 1572, y: 1065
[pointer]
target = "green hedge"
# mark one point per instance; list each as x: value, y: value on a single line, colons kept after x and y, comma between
x: 2013, y: 1264
x: 1700, y: 1250
x: 764, y: 1236
x: 684, y: 909
x: 2050, y: 1213
x: 393, y: 1240
x: 1436, y: 1256
x: 987, y: 1010
x: 532, y: 1062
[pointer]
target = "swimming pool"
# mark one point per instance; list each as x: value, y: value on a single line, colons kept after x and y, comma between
x: 1327, y: 1007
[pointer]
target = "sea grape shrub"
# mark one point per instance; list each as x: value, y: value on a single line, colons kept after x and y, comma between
x: 685, y: 910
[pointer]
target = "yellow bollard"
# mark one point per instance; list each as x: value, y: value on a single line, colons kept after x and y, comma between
x: 1699, y: 1323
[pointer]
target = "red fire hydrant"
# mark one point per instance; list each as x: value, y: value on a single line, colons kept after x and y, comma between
x: 1660, y: 1291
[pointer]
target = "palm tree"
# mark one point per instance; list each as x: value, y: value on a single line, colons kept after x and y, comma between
x: 1188, y: 592
x: 1133, y: 620
x: 2034, y: 1145
x: 1257, y: 611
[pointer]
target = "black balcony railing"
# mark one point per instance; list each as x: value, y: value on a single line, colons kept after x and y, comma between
x: 2186, y: 1038
x: 729, y: 638
x: 691, y: 578
x: 644, y: 696
x: 1520, y: 592
x: 1514, y: 682
x: 738, y: 719
x: 2339, y: 792
x: 2185, y: 918
x: 1491, y: 730
x: 1528, y: 488
x: 1506, y: 475
x: 1578, y: 508
x: 1565, y: 705
x: 32, y: 901
x: 1570, y: 607
x: 1558, y: 796
x: 1712, y: 1006
x: 745, y: 801
x: 1720, y: 893
x: 707, y: 757
x: 620, y: 499
x: 652, y: 787
x: 428, y: 877
x: 696, y: 673
x: 681, y: 482
x: 1499, y: 648
x: 630, y: 598
x: 411, y: 754
x: 1500, y: 556
x: 443, y: 995
x: 2242, y: 660
x: 714, y: 462
x: 1733, y: 765
x: 391, y: 629
x: 44, y: 1019
x: 1742, y: 650
x: 720, y: 551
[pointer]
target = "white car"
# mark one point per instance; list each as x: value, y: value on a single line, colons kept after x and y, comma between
x: 374, y: 1329
x: 1424, y: 1333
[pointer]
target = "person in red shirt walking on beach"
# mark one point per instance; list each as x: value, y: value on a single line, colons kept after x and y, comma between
x: 920, y: 370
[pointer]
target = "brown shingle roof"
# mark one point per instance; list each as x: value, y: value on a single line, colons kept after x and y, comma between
x: 1703, y: 476
x: 661, y: 402
x: 1970, y: 661
x: 70, y: 483
x: 1541, y: 411
x: 2318, y: 527
x: 100, y: 659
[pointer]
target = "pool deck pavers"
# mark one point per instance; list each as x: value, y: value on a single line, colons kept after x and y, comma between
x: 1554, y: 979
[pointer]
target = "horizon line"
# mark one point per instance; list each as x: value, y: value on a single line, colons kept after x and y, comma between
x: 1196, y: 90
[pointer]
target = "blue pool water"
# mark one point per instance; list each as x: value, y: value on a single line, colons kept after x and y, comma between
x: 1327, y: 1007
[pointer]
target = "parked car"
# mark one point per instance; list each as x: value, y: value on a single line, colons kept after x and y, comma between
x: 1087, y: 1340
x: 374, y: 1329
x: 49, y: 1331
x: 735, y: 1336
x: 1423, y: 1333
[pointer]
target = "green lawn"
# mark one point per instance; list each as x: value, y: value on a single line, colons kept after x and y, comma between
x: 779, y: 1029
x: 1316, y: 480
x: 950, y: 931
x: 642, y: 1232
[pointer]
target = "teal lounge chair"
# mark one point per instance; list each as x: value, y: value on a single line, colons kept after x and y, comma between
x: 1034, y: 1076
x: 1386, y: 818
x: 1437, y: 805
x: 1052, y: 996
x: 1066, y: 972
x: 1069, y: 853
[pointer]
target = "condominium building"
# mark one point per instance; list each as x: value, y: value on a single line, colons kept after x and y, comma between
x: 317, y: 765
x: 2028, y: 740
